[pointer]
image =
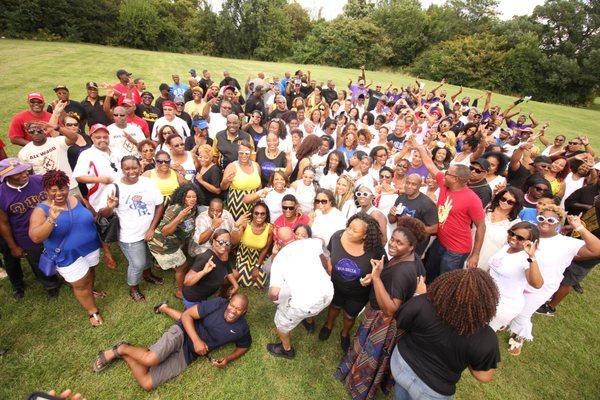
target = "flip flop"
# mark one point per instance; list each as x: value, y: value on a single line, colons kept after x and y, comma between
x: 156, y: 308
x: 99, y: 294
x: 100, y: 362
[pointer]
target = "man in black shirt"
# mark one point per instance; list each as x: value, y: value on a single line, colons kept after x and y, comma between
x: 293, y: 90
x: 374, y: 96
x: 202, y: 328
x: 94, y: 106
x: 229, y: 81
x: 72, y: 107
x: 147, y: 111
x: 477, y: 181
x: 165, y: 95
x: 226, y: 142
x: 329, y: 93
x: 205, y: 81
x: 255, y: 102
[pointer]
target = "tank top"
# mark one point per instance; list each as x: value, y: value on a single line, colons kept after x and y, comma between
x: 305, y: 196
x: 571, y: 185
x: 254, y: 241
x: 189, y: 166
x: 244, y: 181
x: 166, y: 186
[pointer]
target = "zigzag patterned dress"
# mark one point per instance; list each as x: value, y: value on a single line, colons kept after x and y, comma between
x: 248, y: 252
x: 242, y: 184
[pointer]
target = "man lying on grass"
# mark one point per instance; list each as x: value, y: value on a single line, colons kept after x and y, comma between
x: 199, y: 330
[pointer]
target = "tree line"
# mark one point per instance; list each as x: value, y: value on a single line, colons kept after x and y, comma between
x: 553, y: 55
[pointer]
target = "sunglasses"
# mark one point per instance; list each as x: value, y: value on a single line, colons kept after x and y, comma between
x: 120, y: 115
x: 405, y: 166
x: 550, y: 220
x: 321, y: 201
x: 259, y: 213
x: 518, y: 237
x: 363, y: 194
x: 224, y: 243
x: 508, y: 201
x: 163, y: 161
x: 575, y: 143
x: 288, y: 208
x: 476, y: 170
x: 113, y: 166
x: 244, y: 153
x: 36, y: 131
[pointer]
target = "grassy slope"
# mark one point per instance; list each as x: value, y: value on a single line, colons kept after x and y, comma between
x: 52, y: 344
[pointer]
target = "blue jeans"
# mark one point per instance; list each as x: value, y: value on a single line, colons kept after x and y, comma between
x: 440, y: 260
x: 139, y: 259
x: 408, y: 385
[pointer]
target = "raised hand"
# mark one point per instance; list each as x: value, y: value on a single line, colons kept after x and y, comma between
x: 54, y: 211
x: 575, y: 221
x: 186, y: 211
x: 421, y: 287
x: 529, y: 247
x: 377, y: 267
x: 112, y: 201
x: 209, y: 266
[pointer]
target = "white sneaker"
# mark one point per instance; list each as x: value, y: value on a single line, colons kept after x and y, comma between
x: 3, y: 273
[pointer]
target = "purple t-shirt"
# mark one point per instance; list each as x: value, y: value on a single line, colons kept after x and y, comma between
x: 356, y: 91
x: 515, y: 125
x: 19, y: 205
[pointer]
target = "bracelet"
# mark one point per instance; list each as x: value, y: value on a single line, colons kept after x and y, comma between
x: 51, y: 221
x: 579, y: 228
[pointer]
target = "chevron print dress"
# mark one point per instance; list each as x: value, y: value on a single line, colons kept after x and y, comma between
x: 247, y: 255
x: 242, y: 184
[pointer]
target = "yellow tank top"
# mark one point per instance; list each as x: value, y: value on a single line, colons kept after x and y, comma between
x: 166, y: 186
x: 555, y: 186
x: 244, y: 181
x: 253, y: 241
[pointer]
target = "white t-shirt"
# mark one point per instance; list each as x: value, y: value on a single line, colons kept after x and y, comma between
x: 326, y: 225
x: 136, y: 208
x: 508, y: 271
x: 305, y: 196
x: 93, y: 162
x: 118, y: 141
x: 216, y: 124
x: 329, y: 181
x: 180, y: 126
x: 554, y: 255
x: 273, y: 202
x: 297, y: 270
x: 52, y: 155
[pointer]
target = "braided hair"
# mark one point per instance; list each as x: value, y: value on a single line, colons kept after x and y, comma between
x: 56, y: 178
x: 373, y: 234
x: 465, y: 299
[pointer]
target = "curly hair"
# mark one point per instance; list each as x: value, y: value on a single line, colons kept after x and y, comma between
x: 500, y: 158
x: 56, y: 178
x: 146, y: 142
x: 373, y: 234
x: 282, y: 175
x: 412, y: 228
x: 178, y: 196
x: 516, y: 208
x: 553, y: 208
x: 465, y: 299
x: 448, y: 157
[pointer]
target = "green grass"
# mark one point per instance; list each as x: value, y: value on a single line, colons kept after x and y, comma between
x: 52, y: 345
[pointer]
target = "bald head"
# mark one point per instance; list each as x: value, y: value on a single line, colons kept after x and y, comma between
x: 285, y: 234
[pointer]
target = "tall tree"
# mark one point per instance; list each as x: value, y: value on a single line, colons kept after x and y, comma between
x: 357, y: 9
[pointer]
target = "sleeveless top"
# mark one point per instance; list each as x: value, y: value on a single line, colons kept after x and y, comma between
x: 82, y: 238
x: 166, y: 186
x: 244, y: 181
x: 571, y: 185
x: 189, y: 166
x: 305, y: 196
x: 254, y: 241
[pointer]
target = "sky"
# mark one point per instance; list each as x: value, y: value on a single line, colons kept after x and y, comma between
x: 331, y: 8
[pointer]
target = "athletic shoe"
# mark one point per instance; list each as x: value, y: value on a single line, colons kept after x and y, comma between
x: 309, y: 326
x: 546, y: 309
x: 577, y: 287
x: 277, y: 350
x: 324, y: 333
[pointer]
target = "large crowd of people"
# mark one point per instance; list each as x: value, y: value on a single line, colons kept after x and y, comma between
x: 425, y: 219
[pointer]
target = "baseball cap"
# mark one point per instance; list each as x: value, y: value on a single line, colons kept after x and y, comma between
x: 483, y: 163
x: 97, y: 127
x: 542, y: 159
x: 169, y: 103
x: 123, y: 72
x: 91, y: 85
x: 192, y: 71
x: 200, y: 123
x: 59, y: 87
x: 35, y: 96
x: 128, y: 102
x: 178, y: 99
x: 146, y: 93
x: 12, y: 166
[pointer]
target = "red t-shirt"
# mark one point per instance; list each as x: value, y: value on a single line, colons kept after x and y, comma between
x: 123, y: 90
x: 17, y: 127
x: 456, y: 211
x: 141, y: 123
x: 280, y: 222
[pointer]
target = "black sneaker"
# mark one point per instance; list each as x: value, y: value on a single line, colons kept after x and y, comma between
x: 577, y: 287
x: 18, y: 294
x: 52, y: 293
x: 277, y: 350
x: 309, y: 326
x: 345, y: 343
x: 324, y: 333
x: 546, y: 309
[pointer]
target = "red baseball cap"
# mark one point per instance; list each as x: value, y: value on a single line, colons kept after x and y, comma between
x: 169, y: 103
x: 97, y: 127
x: 35, y: 96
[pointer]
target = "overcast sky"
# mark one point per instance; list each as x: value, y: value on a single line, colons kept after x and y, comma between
x: 331, y: 8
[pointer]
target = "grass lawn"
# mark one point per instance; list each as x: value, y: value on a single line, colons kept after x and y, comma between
x: 52, y: 344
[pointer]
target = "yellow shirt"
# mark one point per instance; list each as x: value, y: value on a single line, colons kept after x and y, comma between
x: 166, y: 186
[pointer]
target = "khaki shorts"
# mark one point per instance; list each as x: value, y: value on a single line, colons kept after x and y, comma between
x: 288, y: 317
x: 169, y: 350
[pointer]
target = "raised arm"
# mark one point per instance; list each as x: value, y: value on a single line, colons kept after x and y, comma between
x: 534, y: 121
x: 488, y: 100
x: 425, y: 156
x: 455, y: 95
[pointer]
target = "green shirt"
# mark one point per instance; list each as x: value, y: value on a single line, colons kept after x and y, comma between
x: 162, y: 244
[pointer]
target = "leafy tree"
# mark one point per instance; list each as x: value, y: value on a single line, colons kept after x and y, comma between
x: 139, y: 24
x: 299, y: 20
x: 358, y: 9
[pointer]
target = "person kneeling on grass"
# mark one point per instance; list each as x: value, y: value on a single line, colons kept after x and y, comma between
x: 209, y: 325
x: 300, y: 286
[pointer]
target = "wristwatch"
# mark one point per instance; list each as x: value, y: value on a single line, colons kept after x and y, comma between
x: 531, y: 259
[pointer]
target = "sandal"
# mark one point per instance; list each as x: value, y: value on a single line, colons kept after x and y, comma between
x: 100, y: 363
x: 138, y: 296
x: 99, y: 294
x: 157, y: 307
x: 95, y: 319
x: 515, y: 344
x: 153, y: 279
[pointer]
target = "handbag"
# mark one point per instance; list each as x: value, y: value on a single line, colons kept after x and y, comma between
x: 47, y: 263
x: 108, y: 227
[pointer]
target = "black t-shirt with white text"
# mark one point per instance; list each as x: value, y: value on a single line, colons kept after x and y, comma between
x: 421, y: 208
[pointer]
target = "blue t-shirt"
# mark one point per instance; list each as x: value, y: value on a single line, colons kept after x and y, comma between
x: 529, y: 215
x: 214, y: 330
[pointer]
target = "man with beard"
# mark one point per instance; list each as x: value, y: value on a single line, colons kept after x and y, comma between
x: 72, y: 107
x: 17, y: 132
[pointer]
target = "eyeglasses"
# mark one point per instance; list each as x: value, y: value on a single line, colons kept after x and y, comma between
x: 259, y: 213
x: 518, y: 237
x: 508, y: 201
x: 543, y: 166
x: 321, y: 201
x: 36, y: 131
x: 148, y: 150
x: 540, y: 188
x: 288, y: 208
x: 363, y: 194
x: 449, y: 174
x: 71, y: 124
x: 476, y: 170
x: 163, y: 161
x: 120, y: 115
x: 244, y: 152
x: 405, y: 166
x: 550, y: 220
x: 180, y: 104
x: 224, y: 243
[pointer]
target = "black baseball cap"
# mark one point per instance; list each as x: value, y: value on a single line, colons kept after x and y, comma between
x: 123, y: 72
x: 91, y: 85
x: 59, y: 87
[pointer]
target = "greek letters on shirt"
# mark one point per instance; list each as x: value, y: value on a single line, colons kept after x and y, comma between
x: 347, y: 269
x: 21, y: 207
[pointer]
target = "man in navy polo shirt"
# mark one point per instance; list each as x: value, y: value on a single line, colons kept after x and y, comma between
x: 200, y: 329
